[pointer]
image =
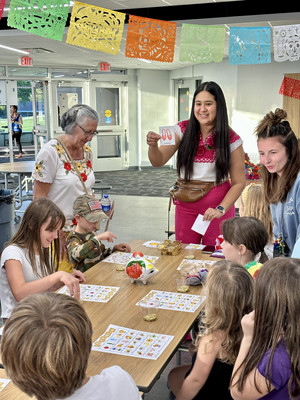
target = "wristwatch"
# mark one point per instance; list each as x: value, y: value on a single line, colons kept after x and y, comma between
x: 221, y: 209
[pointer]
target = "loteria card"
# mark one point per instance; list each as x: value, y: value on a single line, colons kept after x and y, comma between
x: 130, y: 342
x: 194, y: 246
x: 118, y: 257
x: 199, y: 264
x: 95, y: 293
x: 200, y: 226
x: 167, y: 134
x: 152, y: 243
x: 3, y: 383
x: 174, y: 301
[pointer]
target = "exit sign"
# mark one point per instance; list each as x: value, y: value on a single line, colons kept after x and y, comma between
x: 25, y: 61
x: 104, y: 67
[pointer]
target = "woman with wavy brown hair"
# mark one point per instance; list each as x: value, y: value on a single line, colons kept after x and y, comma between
x: 279, y: 153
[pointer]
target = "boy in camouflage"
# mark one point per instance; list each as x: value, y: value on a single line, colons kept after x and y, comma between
x: 84, y: 244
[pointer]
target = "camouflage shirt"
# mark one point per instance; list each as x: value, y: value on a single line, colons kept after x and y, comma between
x: 85, y: 250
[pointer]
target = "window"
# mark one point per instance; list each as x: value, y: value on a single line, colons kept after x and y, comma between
x: 183, y: 104
x: 108, y: 106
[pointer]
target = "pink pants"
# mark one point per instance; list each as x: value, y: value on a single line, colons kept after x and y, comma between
x: 186, y: 213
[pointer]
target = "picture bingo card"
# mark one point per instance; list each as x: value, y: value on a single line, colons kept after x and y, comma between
x: 174, y: 301
x: 3, y: 383
x: 194, y: 246
x: 152, y: 243
x: 130, y: 342
x: 119, y: 257
x: 95, y: 293
x: 199, y: 264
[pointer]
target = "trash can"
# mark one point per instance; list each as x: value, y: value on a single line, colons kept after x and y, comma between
x: 7, y: 211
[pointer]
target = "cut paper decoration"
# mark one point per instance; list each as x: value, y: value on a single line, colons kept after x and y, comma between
x: 202, y: 43
x: 250, y: 45
x: 286, y: 42
x: 290, y: 87
x: 2, y: 4
x: 96, y: 28
x: 150, y: 39
x: 40, y: 17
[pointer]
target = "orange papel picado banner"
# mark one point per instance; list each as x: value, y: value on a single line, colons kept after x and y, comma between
x: 150, y: 39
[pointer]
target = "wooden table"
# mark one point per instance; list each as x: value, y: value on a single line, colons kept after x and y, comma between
x: 11, y: 392
x: 122, y: 310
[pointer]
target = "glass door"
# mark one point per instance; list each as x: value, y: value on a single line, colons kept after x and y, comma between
x: 110, y: 145
x: 40, y: 114
x: 16, y: 93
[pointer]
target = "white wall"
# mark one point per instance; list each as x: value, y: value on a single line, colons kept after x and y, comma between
x: 151, y: 109
x: 250, y: 91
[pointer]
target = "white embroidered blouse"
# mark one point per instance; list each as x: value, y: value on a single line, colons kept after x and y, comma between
x: 53, y: 166
x: 205, y: 159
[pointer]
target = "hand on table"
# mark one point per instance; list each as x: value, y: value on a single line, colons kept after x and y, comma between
x: 122, y: 247
x: 72, y: 282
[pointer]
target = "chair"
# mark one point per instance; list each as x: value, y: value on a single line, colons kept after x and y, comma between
x: 184, y: 347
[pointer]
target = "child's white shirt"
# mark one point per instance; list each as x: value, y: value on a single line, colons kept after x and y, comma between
x: 13, y: 252
x: 112, y: 383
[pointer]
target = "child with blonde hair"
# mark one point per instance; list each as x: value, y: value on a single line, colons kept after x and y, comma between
x: 253, y: 204
x: 229, y: 291
x: 45, y: 349
x: 268, y: 363
x: 27, y: 264
x: 244, y: 242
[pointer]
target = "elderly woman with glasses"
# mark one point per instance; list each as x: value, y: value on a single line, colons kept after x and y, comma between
x: 60, y: 162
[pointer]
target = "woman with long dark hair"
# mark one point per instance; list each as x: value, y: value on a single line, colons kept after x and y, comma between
x: 209, y: 153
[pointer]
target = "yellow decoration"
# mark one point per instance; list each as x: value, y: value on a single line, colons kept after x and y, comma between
x: 96, y: 28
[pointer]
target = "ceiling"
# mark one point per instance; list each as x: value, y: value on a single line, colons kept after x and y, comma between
x: 203, y: 12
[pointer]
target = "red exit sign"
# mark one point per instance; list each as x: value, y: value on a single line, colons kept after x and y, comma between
x: 25, y: 61
x: 104, y: 66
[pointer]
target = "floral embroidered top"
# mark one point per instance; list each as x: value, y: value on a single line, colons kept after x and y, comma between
x: 53, y: 166
x: 205, y: 159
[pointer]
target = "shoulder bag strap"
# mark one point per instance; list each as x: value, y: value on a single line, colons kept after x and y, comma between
x: 73, y: 163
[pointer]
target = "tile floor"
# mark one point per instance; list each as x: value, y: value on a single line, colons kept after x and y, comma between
x: 145, y: 218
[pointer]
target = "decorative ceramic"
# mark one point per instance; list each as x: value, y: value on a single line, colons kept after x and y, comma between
x: 139, y: 268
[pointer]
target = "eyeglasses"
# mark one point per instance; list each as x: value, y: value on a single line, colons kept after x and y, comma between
x: 87, y: 133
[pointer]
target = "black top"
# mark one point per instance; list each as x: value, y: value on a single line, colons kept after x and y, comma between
x: 217, y: 383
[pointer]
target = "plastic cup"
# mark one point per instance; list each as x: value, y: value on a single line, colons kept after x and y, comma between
x: 149, y: 310
x: 181, y: 284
